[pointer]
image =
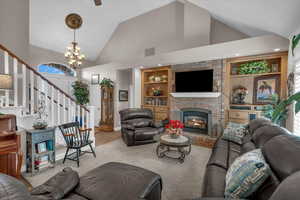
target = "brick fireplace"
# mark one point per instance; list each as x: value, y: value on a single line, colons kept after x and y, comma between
x: 213, y: 107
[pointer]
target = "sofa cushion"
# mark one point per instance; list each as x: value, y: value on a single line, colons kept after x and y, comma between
x: 265, y: 133
x: 214, y: 181
x: 74, y: 196
x: 257, y: 123
x: 282, y: 153
x: 288, y: 189
x: 146, y: 133
x: 134, y: 113
x: 234, y: 132
x: 246, y: 174
x: 116, y: 181
x: 219, y: 154
x: 233, y: 153
x: 12, y: 189
x: 246, y: 147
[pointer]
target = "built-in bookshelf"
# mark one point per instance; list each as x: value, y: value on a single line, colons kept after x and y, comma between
x: 252, y: 108
x: 156, y: 89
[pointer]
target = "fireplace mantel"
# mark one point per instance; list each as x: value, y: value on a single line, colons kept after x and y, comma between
x: 196, y: 94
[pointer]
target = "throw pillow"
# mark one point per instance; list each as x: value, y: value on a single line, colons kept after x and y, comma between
x: 235, y: 132
x: 246, y: 174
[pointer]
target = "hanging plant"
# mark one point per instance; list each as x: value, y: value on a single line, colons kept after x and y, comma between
x: 106, y: 82
x: 81, y: 92
x: 295, y: 42
x: 256, y: 67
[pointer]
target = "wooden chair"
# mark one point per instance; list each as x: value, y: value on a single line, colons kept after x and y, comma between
x: 76, y: 138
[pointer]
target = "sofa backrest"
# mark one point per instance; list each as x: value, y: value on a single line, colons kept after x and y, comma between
x: 263, y: 134
x: 257, y: 123
x: 11, y: 188
x: 135, y: 113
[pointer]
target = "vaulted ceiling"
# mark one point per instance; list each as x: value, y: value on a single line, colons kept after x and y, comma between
x: 48, y: 30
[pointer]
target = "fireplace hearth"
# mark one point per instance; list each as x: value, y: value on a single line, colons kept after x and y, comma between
x: 196, y: 120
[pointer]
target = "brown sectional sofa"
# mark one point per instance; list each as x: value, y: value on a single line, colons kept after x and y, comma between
x: 281, y: 150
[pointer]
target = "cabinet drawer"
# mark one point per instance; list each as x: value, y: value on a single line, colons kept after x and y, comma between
x: 161, y: 116
x: 161, y: 109
x: 238, y: 115
x: 41, y: 137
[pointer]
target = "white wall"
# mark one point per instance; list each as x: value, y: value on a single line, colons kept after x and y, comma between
x: 122, y: 79
x: 14, y: 26
x: 220, y: 33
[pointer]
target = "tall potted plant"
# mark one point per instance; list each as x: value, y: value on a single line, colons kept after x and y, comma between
x: 81, y: 93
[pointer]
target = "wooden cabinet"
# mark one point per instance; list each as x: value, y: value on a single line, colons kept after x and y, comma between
x: 252, y: 108
x: 156, y: 89
x: 107, y: 109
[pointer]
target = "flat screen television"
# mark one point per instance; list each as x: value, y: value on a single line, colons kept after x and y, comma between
x: 194, y: 81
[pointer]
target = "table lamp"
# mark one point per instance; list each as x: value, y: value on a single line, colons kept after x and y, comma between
x: 6, y: 83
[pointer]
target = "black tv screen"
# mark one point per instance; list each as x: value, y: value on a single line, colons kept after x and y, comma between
x: 194, y: 81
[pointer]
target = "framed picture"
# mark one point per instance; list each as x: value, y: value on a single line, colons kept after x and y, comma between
x: 123, y: 95
x: 95, y: 79
x: 264, y: 88
x: 41, y: 147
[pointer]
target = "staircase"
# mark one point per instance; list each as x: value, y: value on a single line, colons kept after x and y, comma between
x: 29, y: 87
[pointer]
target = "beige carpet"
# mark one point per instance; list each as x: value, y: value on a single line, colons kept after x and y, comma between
x: 180, y: 181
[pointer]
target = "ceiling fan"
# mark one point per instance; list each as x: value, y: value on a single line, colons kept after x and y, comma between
x: 98, y: 2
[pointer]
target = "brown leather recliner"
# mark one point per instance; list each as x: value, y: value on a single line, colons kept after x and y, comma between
x: 138, y: 126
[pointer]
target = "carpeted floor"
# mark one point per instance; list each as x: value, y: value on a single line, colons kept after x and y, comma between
x: 180, y: 181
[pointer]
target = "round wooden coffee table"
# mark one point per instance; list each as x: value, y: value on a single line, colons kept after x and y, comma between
x: 176, y: 148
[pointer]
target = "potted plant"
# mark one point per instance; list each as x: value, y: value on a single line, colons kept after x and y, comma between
x: 106, y: 82
x: 81, y: 92
x: 174, y: 128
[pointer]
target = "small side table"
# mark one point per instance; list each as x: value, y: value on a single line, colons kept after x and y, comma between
x: 181, y: 145
x: 40, y: 152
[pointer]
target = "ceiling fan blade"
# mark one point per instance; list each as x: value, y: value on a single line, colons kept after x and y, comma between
x: 98, y: 2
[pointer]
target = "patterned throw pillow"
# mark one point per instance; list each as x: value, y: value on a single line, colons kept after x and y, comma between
x: 235, y: 132
x: 246, y: 174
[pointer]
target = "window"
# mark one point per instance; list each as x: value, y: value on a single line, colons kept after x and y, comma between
x: 58, y: 69
x: 297, y: 89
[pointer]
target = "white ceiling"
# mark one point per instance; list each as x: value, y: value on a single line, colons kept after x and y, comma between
x: 256, y: 17
x: 48, y: 30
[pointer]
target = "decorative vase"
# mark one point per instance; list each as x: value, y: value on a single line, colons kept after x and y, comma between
x: 157, y: 79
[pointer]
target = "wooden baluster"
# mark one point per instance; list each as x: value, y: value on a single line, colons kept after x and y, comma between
x: 52, y: 106
x: 64, y: 110
x: 24, y: 86
x: 46, y: 99
x: 6, y: 71
x: 58, y: 108
x: 83, y: 117
x: 78, y: 113
x: 16, y: 82
x: 69, y: 110
x: 31, y: 92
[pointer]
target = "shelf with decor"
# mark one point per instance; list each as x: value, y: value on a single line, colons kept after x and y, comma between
x: 156, y: 88
x: 251, y: 83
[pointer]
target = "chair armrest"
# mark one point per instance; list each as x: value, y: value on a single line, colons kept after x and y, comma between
x: 157, y: 124
x: 85, y: 130
x: 128, y: 126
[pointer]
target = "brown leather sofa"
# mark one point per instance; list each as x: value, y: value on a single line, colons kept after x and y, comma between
x: 111, y: 181
x: 281, y: 150
x: 138, y: 126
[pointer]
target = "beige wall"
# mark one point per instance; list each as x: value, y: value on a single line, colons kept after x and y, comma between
x: 14, y: 26
x: 222, y: 33
x: 39, y: 56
